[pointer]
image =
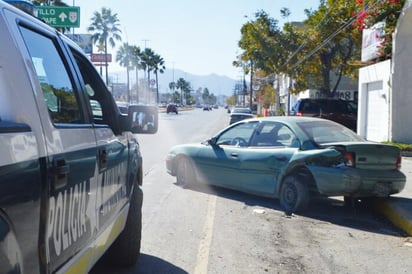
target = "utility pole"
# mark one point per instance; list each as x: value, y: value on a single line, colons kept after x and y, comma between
x: 145, y: 40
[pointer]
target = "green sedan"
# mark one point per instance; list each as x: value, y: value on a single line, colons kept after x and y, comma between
x: 292, y: 159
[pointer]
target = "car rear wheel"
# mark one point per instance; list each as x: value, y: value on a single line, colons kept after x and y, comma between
x: 294, y: 195
x: 185, y: 173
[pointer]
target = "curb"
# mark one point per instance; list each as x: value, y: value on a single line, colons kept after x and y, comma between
x: 395, y: 213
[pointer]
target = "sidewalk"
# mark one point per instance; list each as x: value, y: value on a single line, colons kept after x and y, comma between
x: 398, y: 208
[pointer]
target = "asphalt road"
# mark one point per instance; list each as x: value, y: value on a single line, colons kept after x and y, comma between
x: 213, y: 230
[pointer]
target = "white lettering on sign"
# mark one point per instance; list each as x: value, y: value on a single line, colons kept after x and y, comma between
x: 113, y: 187
x: 67, y: 217
x: 50, y: 12
x: 50, y: 20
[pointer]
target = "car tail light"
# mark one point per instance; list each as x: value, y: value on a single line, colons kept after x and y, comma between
x: 399, y: 162
x: 349, y: 159
x: 299, y: 113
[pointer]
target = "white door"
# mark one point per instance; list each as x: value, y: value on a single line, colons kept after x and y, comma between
x: 377, y: 115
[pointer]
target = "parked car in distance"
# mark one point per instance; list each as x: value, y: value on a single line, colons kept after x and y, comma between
x: 207, y: 107
x: 238, y: 114
x: 290, y: 158
x: 171, y: 108
x: 241, y: 110
x: 340, y: 111
x: 236, y: 117
x: 123, y: 106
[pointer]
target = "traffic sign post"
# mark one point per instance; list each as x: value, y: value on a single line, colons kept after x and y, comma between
x: 56, y: 16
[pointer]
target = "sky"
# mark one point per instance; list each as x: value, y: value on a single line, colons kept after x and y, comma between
x: 198, y: 37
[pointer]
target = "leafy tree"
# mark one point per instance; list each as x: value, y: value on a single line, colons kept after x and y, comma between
x: 263, y: 47
x: 371, y: 12
x: 205, y: 95
x: 105, y: 29
x: 176, y: 97
x: 332, y: 44
x: 124, y: 58
x: 231, y: 100
x: 324, y: 44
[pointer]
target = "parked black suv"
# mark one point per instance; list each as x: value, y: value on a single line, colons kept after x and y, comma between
x: 340, y: 111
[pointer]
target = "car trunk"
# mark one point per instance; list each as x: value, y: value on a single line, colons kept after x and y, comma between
x: 371, y: 155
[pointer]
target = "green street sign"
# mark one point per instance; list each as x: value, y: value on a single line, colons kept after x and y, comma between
x: 56, y: 16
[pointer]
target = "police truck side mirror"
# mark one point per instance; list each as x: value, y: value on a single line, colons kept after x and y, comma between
x: 143, y: 119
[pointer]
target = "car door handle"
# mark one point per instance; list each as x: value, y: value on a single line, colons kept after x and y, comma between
x: 234, y: 155
x: 102, y: 159
x: 60, y: 169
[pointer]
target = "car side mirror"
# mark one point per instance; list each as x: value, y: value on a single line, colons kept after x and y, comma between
x: 212, y: 141
x: 143, y: 119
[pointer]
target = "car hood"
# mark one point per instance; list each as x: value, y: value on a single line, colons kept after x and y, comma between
x: 370, y: 155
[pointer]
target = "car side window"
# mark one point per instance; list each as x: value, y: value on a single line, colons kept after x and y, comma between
x: 274, y: 134
x: 95, y: 88
x: 61, y: 99
x: 238, y: 135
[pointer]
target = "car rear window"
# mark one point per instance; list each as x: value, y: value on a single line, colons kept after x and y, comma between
x: 322, y: 132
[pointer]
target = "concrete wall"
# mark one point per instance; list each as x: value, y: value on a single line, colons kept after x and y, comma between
x: 401, y: 112
x: 374, y: 101
x: 385, y: 90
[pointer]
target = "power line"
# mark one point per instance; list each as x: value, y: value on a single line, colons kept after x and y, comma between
x: 327, y: 40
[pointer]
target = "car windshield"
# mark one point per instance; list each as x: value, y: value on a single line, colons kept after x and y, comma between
x: 323, y: 132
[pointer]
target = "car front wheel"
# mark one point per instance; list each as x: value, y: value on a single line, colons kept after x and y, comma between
x: 185, y: 173
x: 294, y: 195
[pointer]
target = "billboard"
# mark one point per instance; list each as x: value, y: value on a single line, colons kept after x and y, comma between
x: 371, y: 41
x: 83, y: 40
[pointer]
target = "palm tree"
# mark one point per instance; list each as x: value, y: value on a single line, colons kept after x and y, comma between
x: 181, y: 84
x: 105, y: 28
x: 147, y: 57
x: 124, y: 58
x: 136, y: 54
x: 172, y: 86
x: 158, y: 66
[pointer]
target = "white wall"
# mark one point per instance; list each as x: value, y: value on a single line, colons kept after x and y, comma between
x: 374, y: 101
x: 387, y: 86
x: 401, y: 126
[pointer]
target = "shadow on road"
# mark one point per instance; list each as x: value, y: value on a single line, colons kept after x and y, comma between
x: 147, y: 265
x: 359, y: 216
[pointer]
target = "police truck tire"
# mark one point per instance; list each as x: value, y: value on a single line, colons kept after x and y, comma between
x: 126, y: 249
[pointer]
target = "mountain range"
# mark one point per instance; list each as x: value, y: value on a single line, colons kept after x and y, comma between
x: 216, y: 84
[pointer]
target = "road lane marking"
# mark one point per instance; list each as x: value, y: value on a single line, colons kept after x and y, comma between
x: 204, y: 246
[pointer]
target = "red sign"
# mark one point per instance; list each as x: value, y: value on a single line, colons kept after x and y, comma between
x: 100, y: 57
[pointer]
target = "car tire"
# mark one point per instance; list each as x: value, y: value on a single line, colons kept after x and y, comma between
x: 184, y: 173
x: 294, y: 195
x: 125, y: 250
